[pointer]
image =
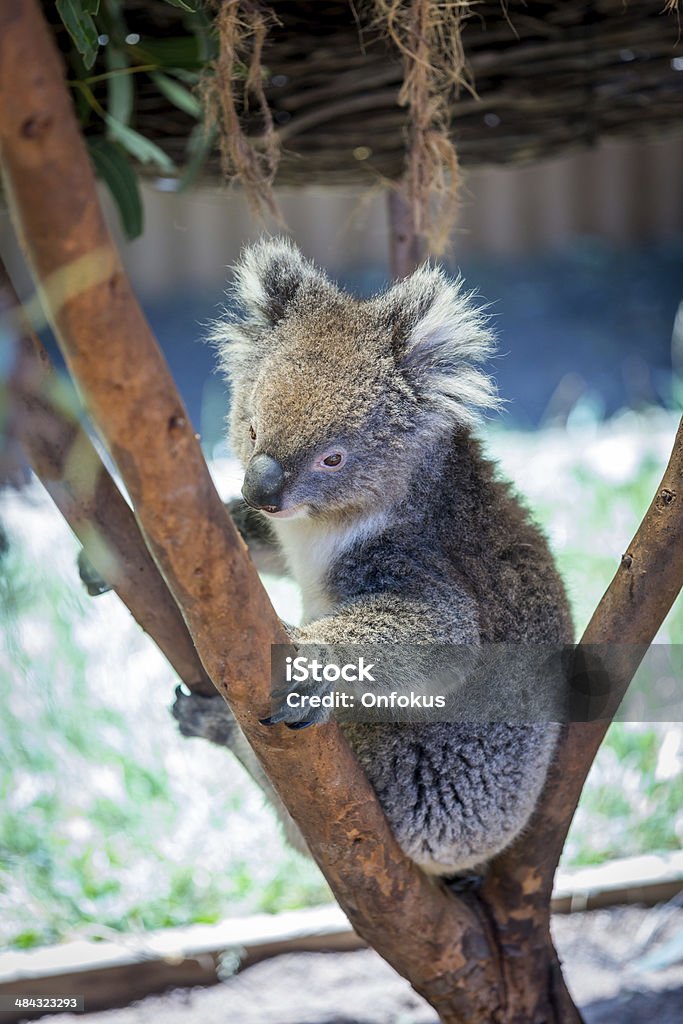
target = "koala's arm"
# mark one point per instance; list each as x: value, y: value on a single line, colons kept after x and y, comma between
x: 253, y: 529
x: 376, y: 619
x: 259, y: 538
x: 385, y: 618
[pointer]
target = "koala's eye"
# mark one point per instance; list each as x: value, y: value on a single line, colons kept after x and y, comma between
x: 252, y: 433
x: 330, y: 461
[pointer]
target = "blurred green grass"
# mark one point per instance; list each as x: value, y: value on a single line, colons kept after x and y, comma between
x: 109, y: 821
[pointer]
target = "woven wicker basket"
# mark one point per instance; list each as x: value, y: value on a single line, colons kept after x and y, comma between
x: 548, y: 77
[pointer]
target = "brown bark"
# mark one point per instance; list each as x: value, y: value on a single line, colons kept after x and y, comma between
x: 483, y: 959
x: 64, y: 459
x: 406, y: 246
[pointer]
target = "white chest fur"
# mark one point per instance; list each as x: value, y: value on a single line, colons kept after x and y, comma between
x: 311, y: 547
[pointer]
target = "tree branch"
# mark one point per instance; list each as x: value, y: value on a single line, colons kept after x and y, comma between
x: 628, y: 617
x: 406, y: 245
x: 65, y: 460
x: 624, y: 624
x: 434, y: 940
x: 519, y: 883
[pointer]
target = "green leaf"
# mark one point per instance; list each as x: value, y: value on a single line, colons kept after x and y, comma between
x: 174, y: 52
x: 137, y: 145
x: 178, y: 95
x: 77, y: 18
x: 199, y: 146
x: 183, y: 4
x: 119, y: 87
x: 115, y: 169
x: 183, y: 75
x: 203, y: 28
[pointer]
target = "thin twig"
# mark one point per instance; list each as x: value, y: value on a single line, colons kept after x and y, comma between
x: 406, y: 245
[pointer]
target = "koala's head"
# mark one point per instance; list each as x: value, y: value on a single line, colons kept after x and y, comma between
x: 336, y: 401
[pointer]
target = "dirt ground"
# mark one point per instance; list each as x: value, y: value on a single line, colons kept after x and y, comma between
x: 624, y: 966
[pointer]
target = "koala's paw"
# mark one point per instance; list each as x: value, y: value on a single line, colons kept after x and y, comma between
x: 208, y: 717
x: 94, y: 583
x: 293, y: 705
x: 466, y: 881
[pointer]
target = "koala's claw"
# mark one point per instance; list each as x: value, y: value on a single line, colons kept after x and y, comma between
x: 280, y: 716
x: 464, y: 882
x: 303, y: 715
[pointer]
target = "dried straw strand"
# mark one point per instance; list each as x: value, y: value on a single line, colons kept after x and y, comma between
x: 235, y: 81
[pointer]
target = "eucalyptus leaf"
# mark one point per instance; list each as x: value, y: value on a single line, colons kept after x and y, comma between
x: 115, y: 169
x: 200, y: 144
x: 174, y: 52
x: 203, y: 28
x: 183, y: 75
x: 119, y: 87
x: 138, y: 146
x: 177, y: 94
x: 77, y: 18
x: 183, y: 4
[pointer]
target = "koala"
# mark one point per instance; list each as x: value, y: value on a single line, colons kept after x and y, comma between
x: 353, y: 420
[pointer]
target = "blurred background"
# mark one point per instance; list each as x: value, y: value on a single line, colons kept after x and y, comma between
x: 109, y: 821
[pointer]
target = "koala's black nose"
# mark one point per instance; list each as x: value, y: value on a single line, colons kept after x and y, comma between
x: 263, y: 483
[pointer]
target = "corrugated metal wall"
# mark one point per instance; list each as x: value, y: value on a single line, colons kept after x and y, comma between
x: 624, y: 192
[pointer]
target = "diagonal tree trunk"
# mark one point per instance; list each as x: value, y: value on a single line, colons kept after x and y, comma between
x: 485, y: 958
x: 67, y: 463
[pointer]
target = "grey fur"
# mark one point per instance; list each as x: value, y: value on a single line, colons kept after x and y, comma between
x: 413, y: 540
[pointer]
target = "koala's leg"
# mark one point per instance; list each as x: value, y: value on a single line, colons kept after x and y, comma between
x: 455, y: 794
x: 210, y: 718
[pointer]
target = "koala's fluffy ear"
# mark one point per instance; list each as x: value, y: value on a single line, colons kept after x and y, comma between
x: 439, y: 338
x: 270, y: 275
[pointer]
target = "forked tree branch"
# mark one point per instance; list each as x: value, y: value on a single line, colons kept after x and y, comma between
x: 462, y: 954
x: 434, y: 940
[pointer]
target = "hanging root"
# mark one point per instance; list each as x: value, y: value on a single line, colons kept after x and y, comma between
x: 428, y: 35
x: 235, y: 81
